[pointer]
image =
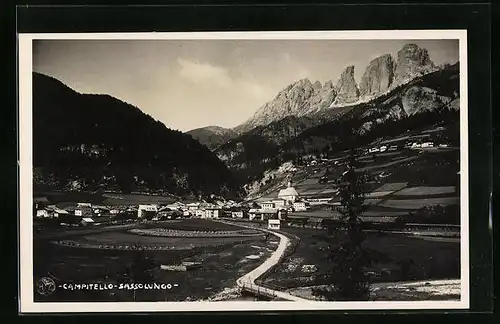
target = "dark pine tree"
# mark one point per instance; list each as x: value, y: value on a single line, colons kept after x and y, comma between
x: 347, y: 279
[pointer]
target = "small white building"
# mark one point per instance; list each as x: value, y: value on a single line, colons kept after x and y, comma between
x: 212, y: 213
x: 87, y: 221
x: 273, y: 224
x: 193, y: 206
x: 146, y: 209
x: 84, y: 205
x: 42, y: 213
x: 267, y: 205
x: 300, y: 205
x: 279, y: 203
x: 237, y: 214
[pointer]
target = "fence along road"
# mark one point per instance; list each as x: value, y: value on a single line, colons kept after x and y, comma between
x: 247, y: 282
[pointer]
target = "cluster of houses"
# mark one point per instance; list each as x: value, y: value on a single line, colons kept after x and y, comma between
x: 85, y: 213
x: 409, y: 145
x: 383, y: 148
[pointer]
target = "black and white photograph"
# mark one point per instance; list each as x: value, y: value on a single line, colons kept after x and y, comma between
x: 243, y: 171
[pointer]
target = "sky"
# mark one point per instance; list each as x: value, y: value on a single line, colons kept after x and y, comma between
x: 187, y: 84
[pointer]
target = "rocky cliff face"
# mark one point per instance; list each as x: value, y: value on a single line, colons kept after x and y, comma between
x: 412, y: 61
x: 378, y: 76
x: 347, y: 89
x: 298, y: 99
x: 383, y: 74
x: 419, y: 99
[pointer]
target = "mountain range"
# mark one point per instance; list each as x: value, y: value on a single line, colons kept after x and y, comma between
x: 90, y: 141
x: 424, y: 100
x: 306, y: 98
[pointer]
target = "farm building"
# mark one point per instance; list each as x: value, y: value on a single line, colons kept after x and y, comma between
x: 85, y: 221
x: 60, y: 212
x: 147, y: 211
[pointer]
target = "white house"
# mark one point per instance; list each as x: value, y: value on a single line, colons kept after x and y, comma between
x: 193, y: 206
x: 145, y: 209
x: 42, y: 213
x: 267, y: 205
x: 237, y: 214
x: 212, y: 212
x: 273, y: 224
x: 300, y: 205
x: 278, y: 203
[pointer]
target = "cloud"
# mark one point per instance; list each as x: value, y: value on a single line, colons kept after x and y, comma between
x: 209, y: 75
x: 204, y: 73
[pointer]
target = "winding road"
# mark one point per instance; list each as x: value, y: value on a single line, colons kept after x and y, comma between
x: 247, y: 281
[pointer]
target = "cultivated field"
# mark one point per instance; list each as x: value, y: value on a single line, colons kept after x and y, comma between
x: 394, y: 258
x: 223, y: 260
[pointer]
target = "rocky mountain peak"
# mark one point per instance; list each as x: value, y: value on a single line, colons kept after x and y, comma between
x: 412, y: 61
x: 378, y: 76
x: 297, y: 99
x: 347, y: 90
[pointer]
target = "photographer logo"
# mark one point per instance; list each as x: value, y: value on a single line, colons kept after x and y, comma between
x: 46, y: 286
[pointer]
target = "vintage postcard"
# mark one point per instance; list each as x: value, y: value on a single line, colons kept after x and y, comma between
x: 243, y: 171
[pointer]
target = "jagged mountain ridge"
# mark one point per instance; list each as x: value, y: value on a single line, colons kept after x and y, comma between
x: 303, y: 97
x: 88, y: 141
x: 297, y: 99
x: 265, y: 147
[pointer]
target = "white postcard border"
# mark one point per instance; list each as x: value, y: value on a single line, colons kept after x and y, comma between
x: 26, y: 298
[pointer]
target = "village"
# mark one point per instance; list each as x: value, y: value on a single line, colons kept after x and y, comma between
x: 317, y: 201
x: 88, y: 214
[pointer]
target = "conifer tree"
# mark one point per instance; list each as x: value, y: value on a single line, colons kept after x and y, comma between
x: 347, y: 279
